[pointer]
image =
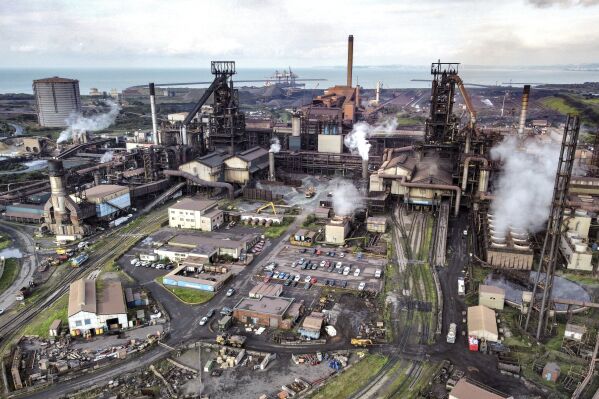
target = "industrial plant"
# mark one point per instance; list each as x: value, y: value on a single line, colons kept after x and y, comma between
x: 220, y: 240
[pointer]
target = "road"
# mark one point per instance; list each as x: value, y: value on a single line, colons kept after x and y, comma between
x: 29, y: 262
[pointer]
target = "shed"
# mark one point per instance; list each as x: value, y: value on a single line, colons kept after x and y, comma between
x: 482, y: 323
x: 312, y: 325
x: 551, y: 372
x: 55, y: 328
x: 491, y: 297
x: 574, y: 332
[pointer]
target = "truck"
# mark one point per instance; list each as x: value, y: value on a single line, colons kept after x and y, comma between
x: 362, y: 342
x: 461, y: 286
x: 79, y: 260
x: 232, y: 340
x: 451, y: 334
x: 310, y: 192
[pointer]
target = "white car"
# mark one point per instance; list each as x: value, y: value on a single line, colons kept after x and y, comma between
x: 203, y: 321
x: 134, y: 261
x: 361, y: 286
x: 338, y: 265
x: 294, y: 264
x: 378, y: 273
x: 231, y: 291
x: 297, y: 278
x: 342, y: 255
x: 357, y: 273
x: 346, y: 271
x: 322, y: 263
x: 1, y: 310
x: 307, y: 279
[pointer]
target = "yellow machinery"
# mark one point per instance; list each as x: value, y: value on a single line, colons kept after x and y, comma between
x: 310, y: 192
x: 271, y: 204
x: 361, y: 342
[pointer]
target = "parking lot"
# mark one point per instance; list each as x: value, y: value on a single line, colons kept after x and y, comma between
x: 326, y: 267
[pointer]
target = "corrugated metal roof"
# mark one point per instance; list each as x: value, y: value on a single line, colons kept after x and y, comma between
x: 193, y: 204
x: 464, y: 389
x: 489, y: 289
x: 111, y: 299
x: 482, y: 323
x: 82, y: 296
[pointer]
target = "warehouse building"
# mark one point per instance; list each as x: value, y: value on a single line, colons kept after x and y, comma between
x: 376, y: 224
x: 92, y: 312
x: 246, y: 166
x: 482, y: 323
x: 56, y: 99
x: 209, y: 167
x: 193, y: 213
x: 265, y: 311
x: 266, y: 289
x: 198, y: 276
x: 206, y: 248
x: 336, y: 230
x: 25, y: 213
x: 469, y: 389
x: 312, y: 325
x: 108, y: 198
x: 491, y: 297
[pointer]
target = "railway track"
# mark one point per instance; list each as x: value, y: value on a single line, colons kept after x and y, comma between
x: 111, y: 247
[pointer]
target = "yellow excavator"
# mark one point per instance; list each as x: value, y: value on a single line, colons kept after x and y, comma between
x: 361, y: 342
x: 271, y: 204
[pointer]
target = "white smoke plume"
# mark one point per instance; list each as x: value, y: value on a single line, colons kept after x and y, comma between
x: 275, y: 145
x: 79, y: 124
x: 357, y: 139
x: 346, y: 197
x: 106, y: 157
x: 524, y: 190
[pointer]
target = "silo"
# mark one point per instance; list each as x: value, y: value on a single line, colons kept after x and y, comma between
x: 56, y: 99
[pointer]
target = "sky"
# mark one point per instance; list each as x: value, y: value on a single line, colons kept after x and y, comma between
x: 301, y: 33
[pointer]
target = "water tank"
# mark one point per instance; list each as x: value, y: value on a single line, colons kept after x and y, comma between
x: 580, y: 212
x: 56, y: 99
x: 581, y: 248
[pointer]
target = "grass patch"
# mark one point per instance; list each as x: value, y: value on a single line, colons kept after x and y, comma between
x: 346, y: 383
x: 582, y: 279
x: 275, y: 231
x: 559, y: 104
x: 41, y: 324
x: 11, y: 271
x: 5, y: 242
x: 190, y: 296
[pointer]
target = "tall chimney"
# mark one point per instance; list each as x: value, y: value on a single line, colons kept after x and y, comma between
x: 57, y: 189
x: 271, y: 166
x: 350, y: 59
x: 525, y: 95
x: 377, y: 97
x: 365, y: 169
x: 153, y: 110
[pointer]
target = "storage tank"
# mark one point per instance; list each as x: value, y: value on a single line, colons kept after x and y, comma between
x: 580, y: 248
x: 56, y: 99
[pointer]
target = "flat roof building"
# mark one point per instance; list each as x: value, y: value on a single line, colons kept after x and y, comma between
x: 491, y: 297
x: 312, y: 325
x: 265, y: 311
x: 468, y: 389
x: 198, y: 276
x: 194, y: 213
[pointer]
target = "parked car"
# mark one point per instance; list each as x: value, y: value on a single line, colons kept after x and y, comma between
x: 318, y: 252
x: 210, y: 313
x: 297, y: 277
x: 307, y: 286
x: 332, y: 283
x: 294, y: 264
x: 361, y: 286
x: 226, y: 311
x: 203, y: 321
x: 230, y: 291
x: 344, y: 284
x: 357, y: 273
x: 313, y: 280
x: 307, y: 279
x: 342, y: 255
x: 377, y: 273
x: 346, y: 271
x: 287, y: 283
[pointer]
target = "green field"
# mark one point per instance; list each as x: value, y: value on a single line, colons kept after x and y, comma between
x: 41, y: 324
x: 190, y: 296
x: 11, y: 271
x: 559, y: 105
x: 5, y: 242
x: 350, y: 381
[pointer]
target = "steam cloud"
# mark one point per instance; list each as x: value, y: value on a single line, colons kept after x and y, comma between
x: 106, y: 157
x: 79, y: 124
x: 357, y: 139
x: 525, y: 187
x: 346, y: 197
x: 275, y: 145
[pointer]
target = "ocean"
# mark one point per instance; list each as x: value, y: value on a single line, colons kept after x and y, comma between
x: 19, y: 80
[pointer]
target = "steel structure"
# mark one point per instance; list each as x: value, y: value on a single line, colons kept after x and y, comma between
x: 543, y: 285
x: 226, y: 124
x: 440, y: 126
x: 594, y: 167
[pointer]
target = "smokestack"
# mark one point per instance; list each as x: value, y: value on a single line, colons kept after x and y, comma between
x: 57, y: 190
x: 525, y: 95
x: 350, y: 59
x: 365, y: 169
x: 153, y: 110
x: 184, y: 135
x: 377, y: 97
x: 357, y: 96
x: 271, y: 166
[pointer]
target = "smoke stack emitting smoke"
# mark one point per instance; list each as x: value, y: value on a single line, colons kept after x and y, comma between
x: 106, y: 157
x: 79, y: 124
x: 275, y: 145
x: 524, y: 190
x: 346, y: 197
x: 357, y: 139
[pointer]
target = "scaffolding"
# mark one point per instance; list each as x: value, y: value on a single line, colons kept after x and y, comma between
x: 441, y: 124
x: 546, y: 266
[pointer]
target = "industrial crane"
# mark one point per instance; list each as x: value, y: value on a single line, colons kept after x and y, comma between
x: 460, y: 83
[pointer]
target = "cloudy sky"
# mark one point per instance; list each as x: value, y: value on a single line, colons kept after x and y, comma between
x: 261, y: 33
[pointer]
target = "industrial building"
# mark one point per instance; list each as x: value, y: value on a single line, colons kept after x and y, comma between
x: 246, y: 166
x: 194, y: 213
x: 108, y: 198
x: 576, y: 252
x: 482, y: 324
x: 266, y: 312
x: 491, y: 297
x: 194, y: 274
x: 206, y: 248
x: 56, y: 99
x: 93, y: 312
x: 266, y: 289
x: 469, y: 389
x: 312, y: 325
x: 336, y: 230
x: 376, y: 224
x: 209, y: 167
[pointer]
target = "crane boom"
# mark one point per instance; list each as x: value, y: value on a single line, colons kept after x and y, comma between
x: 467, y: 99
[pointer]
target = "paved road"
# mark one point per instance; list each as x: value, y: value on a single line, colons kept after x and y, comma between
x: 25, y: 243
